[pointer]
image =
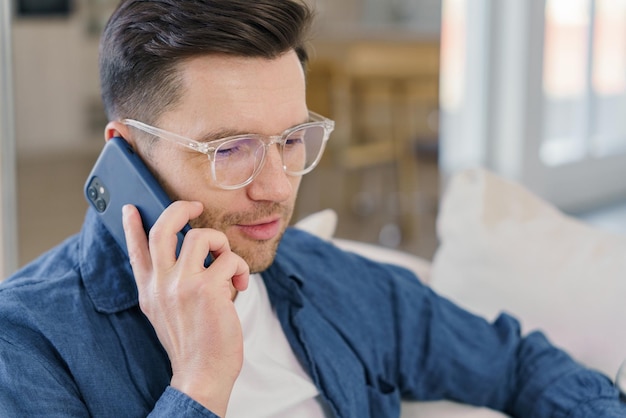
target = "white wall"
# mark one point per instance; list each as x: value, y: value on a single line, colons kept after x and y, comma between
x: 55, y: 80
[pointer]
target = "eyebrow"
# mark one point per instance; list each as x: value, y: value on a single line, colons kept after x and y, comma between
x: 219, y: 134
x: 225, y: 133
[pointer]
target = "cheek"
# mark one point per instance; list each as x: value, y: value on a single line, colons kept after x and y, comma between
x: 182, y: 179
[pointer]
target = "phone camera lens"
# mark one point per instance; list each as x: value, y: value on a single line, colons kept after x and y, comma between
x: 101, y: 205
x: 93, y: 193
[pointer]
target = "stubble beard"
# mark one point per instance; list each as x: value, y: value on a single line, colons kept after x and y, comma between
x: 258, y: 254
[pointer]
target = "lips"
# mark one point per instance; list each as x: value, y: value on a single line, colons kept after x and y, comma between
x: 261, y: 231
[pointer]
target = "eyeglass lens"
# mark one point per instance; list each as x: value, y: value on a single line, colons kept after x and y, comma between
x: 238, y: 160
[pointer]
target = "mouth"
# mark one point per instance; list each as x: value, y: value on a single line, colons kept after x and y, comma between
x: 262, y: 230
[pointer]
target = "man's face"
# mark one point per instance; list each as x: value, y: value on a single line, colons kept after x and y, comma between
x: 233, y: 95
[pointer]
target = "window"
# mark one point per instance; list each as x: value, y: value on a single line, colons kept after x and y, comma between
x: 584, y: 80
x: 535, y: 90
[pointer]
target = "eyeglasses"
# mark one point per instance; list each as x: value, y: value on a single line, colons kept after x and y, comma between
x: 237, y: 160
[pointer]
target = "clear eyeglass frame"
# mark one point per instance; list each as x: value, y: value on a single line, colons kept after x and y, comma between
x: 211, y: 148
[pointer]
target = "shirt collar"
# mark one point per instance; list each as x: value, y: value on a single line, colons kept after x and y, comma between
x: 109, y: 281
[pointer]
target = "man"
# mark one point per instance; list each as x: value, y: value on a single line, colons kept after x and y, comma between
x: 318, y: 333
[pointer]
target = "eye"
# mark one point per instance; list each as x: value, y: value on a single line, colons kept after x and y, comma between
x: 227, y: 151
x: 237, y: 148
x: 295, y: 138
x: 294, y: 141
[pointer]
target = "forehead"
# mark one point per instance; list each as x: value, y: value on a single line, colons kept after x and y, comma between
x: 226, y: 92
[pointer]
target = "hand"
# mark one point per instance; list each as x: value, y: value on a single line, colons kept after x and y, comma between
x: 190, y: 306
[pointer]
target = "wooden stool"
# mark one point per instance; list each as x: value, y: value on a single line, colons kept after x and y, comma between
x: 375, y: 92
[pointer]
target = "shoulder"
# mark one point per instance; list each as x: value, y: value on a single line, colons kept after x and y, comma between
x: 301, y: 250
x: 57, y: 262
x: 42, y: 290
x: 321, y: 261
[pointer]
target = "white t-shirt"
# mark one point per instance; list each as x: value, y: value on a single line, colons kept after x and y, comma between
x: 272, y: 383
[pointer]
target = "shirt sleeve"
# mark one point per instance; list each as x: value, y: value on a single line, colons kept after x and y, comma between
x: 448, y: 353
x: 33, y: 385
x: 174, y: 403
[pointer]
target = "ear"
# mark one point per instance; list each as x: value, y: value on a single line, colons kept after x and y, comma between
x: 116, y: 128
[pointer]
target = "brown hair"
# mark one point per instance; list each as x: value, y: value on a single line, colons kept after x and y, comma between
x: 145, y: 40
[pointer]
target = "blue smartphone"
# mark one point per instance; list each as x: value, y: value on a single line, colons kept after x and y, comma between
x: 119, y: 177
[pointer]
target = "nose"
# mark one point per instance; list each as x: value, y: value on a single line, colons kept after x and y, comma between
x: 272, y: 183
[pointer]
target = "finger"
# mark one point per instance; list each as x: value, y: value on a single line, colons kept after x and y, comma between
x: 197, y: 245
x: 240, y: 281
x: 136, y: 243
x: 231, y: 268
x: 162, y: 236
x: 242, y: 275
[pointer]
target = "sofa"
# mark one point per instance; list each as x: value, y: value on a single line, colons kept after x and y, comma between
x: 502, y: 248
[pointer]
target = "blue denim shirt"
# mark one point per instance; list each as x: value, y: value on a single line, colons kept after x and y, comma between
x: 75, y: 343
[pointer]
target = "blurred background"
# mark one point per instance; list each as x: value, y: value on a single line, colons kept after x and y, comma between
x: 532, y: 89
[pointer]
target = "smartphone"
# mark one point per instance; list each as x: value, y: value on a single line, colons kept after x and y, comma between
x: 119, y: 177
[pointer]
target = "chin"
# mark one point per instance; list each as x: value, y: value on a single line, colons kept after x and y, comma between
x: 258, y: 263
x: 259, y: 255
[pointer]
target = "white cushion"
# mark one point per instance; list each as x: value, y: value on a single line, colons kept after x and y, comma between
x: 322, y: 224
x: 504, y: 249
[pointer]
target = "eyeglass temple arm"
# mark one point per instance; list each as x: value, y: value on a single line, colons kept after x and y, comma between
x: 169, y: 136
